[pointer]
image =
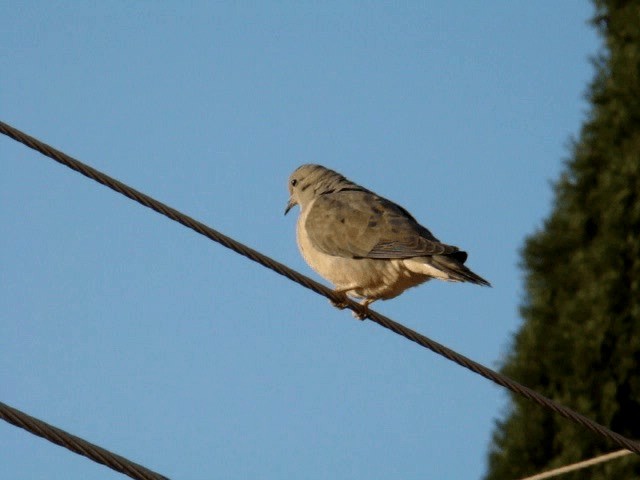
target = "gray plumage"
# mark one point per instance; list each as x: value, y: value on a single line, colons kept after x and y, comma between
x: 364, y: 244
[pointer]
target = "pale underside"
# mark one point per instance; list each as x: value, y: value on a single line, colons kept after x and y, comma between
x: 368, y: 278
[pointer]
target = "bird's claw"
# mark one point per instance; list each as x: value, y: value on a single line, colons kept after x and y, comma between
x: 343, y: 303
x: 361, y: 315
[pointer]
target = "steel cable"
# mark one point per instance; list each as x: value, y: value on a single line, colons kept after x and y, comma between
x: 77, y: 444
x: 278, y: 267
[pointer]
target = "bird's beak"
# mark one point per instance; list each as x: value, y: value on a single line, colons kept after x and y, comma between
x: 290, y: 204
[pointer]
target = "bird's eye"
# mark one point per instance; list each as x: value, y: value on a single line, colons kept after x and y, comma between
x: 294, y: 182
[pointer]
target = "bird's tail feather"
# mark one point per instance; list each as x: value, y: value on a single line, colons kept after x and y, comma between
x: 453, y: 266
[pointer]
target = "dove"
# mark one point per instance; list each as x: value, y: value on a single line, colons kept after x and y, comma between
x: 368, y: 247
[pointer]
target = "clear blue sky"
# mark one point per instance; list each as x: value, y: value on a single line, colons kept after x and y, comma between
x: 137, y: 334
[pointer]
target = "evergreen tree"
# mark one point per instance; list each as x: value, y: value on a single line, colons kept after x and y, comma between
x: 580, y: 340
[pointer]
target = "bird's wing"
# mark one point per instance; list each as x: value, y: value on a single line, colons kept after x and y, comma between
x: 360, y: 224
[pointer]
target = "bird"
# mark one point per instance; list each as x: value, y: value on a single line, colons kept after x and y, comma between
x: 368, y: 247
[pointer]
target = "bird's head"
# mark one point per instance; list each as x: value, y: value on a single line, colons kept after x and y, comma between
x: 308, y: 181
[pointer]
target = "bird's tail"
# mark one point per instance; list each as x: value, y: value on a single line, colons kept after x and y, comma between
x: 453, y: 265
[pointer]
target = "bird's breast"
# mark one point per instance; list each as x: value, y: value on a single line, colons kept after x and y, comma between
x: 362, y: 277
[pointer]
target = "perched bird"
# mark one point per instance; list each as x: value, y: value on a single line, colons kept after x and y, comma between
x: 366, y: 245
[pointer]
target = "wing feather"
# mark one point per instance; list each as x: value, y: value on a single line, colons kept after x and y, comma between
x: 361, y: 224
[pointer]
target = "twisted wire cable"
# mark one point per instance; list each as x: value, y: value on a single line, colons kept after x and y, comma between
x: 77, y: 444
x: 578, y: 465
x: 282, y: 269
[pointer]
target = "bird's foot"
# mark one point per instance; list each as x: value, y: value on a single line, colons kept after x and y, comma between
x: 343, y: 303
x: 361, y: 315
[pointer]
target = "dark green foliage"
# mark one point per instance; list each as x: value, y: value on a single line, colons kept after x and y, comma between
x: 580, y: 340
